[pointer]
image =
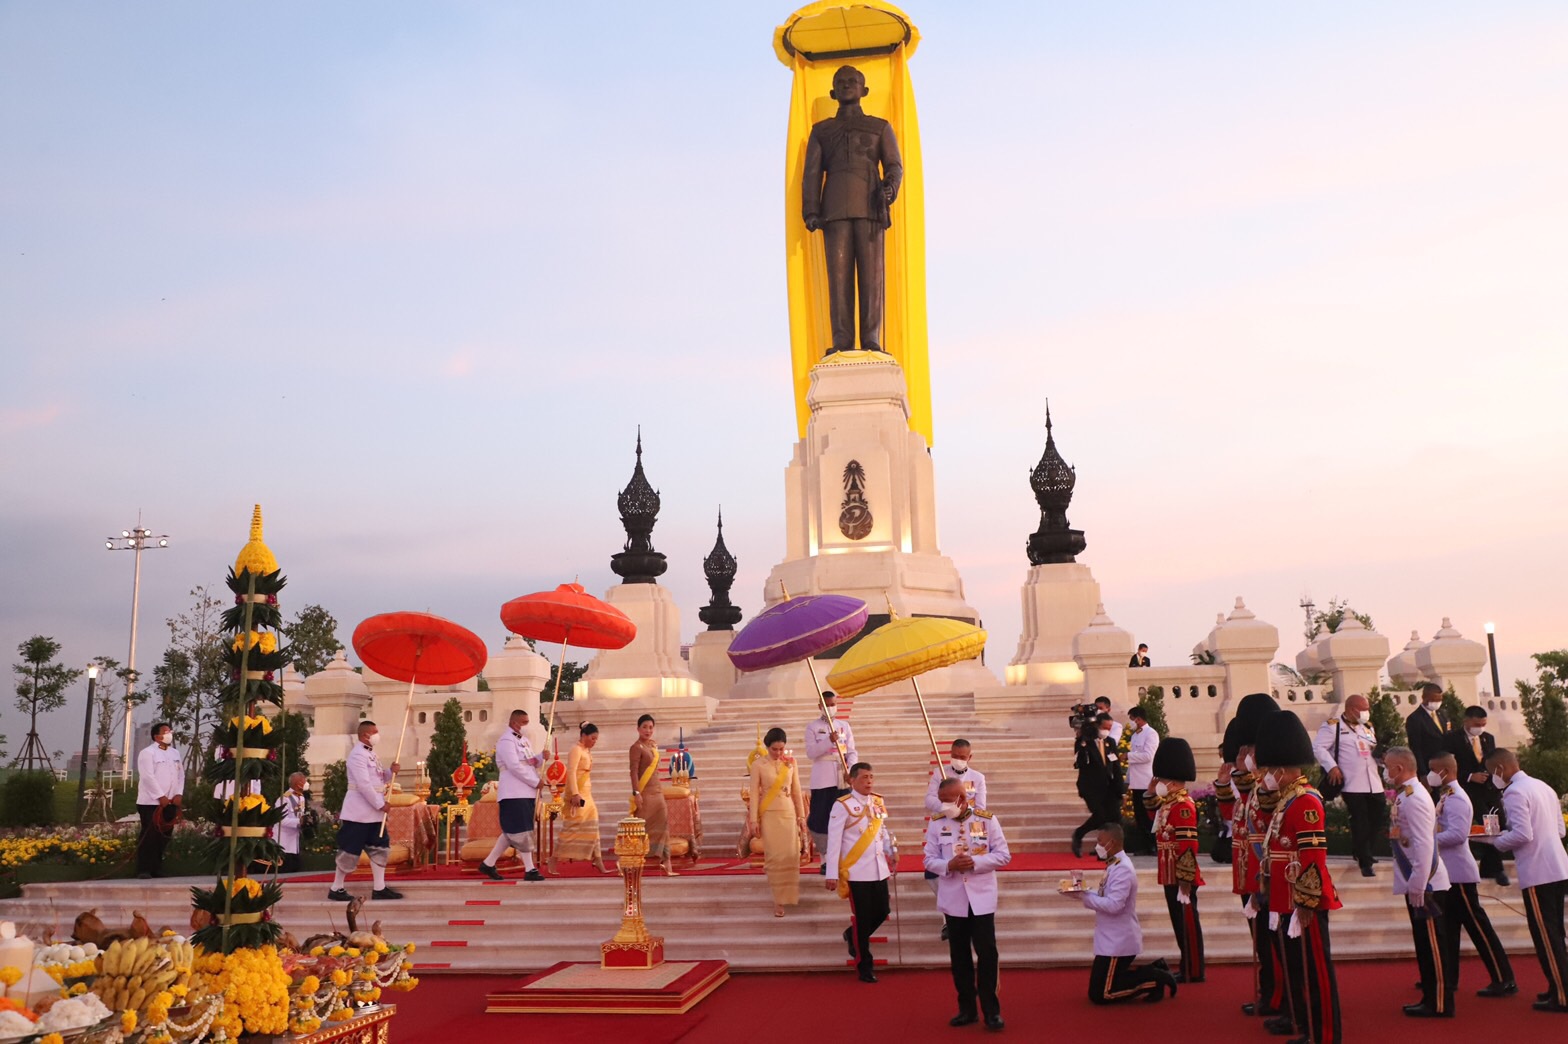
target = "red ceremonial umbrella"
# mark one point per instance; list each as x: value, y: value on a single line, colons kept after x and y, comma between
x: 571, y: 616
x: 420, y: 649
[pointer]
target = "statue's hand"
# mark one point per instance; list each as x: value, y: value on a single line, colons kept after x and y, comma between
x: 813, y: 223
x: 888, y: 193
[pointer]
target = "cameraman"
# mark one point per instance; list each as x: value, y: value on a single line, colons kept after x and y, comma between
x: 1099, y: 777
x: 1102, y: 708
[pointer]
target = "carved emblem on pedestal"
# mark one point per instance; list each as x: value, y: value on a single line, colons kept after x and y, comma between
x: 854, y: 516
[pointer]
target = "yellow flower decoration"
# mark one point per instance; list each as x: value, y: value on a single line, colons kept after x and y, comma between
x: 310, y: 985
x: 51, y: 1038
x: 127, y: 1023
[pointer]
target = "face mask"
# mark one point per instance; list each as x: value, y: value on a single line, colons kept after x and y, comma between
x: 1270, y: 781
x: 1498, y: 781
x: 1432, y: 705
x: 306, y: 787
x: 1161, y: 789
x: 959, y: 764
x: 1099, y: 851
x: 1251, y: 764
x: 1105, y: 732
x: 1434, y: 779
x: 1475, y: 731
x: 1388, y: 780
x: 163, y: 740
x: 372, y: 739
x: 950, y: 809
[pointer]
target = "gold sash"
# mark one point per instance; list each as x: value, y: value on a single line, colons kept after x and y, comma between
x: 856, y: 850
x: 647, y: 774
x: 773, y: 791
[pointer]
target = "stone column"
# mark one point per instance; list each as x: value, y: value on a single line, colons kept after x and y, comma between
x: 1246, y: 646
x: 1060, y: 599
x: 517, y: 676
x: 710, y: 663
x: 1355, y: 656
x: 1402, y: 668
x: 335, y: 695
x: 1101, y: 651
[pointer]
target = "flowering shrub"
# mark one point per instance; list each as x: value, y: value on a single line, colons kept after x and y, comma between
x: 67, y: 846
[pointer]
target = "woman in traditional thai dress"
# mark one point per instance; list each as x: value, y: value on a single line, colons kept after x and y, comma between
x: 779, y: 815
x: 648, y: 790
x: 580, y: 820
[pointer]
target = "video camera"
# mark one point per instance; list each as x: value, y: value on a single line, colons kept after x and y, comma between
x: 1079, y: 713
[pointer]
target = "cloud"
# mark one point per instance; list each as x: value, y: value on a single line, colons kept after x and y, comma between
x: 14, y: 420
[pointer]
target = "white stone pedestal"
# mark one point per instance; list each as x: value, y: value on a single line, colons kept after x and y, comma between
x: 651, y: 665
x: 710, y: 663
x: 1059, y: 601
x: 860, y: 504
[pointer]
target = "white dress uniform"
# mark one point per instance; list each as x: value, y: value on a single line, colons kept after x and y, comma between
x: 852, y: 816
x: 518, y: 765
x: 1115, y: 905
x: 1140, y: 758
x: 1454, y: 812
x: 293, y: 806
x: 160, y: 773
x: 367, y: 782
x: 825, y: 769
x: 1421, y: 877
x: 1535, y: 831
x: 1349, y: 748
x: 966, y: 891
x: 974, y: 788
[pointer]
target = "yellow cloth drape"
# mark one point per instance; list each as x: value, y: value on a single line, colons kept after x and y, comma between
x: 812, y: 43
x: 779, y: 825
x: 579, y: 824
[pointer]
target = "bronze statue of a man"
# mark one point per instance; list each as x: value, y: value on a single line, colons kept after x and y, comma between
x: 853, y: 172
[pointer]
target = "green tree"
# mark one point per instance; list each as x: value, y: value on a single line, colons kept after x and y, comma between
x: 1329, y: 619
x: 313, y: 639
x: 198, y: 634
x: 1153, y: 704
x: 1545, y: 712
x: 292, y: 748
x: 569, y: 678
x: 334, y: 786
x: 172, y: 681
x: 446, y: 744
x: 40, y: 688
x: 112, y: 681
x: 1388, y: 724
x: 1453, y: 708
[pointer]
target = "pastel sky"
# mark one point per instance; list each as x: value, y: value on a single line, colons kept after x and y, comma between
x: 411, y: 274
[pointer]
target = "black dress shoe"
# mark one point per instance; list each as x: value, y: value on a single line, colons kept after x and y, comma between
x: 867, y: 976
x: 490, y: 872
x: 1547, y: 1005
x: 1421, y: 1011
x: 944, y: 931
x: 964, y: 1018
x: 338, y: 895
x: 1499, y: 989
x: 1502, y: 879
x: 533, y: 875
x: 1166, y: 979
x: 1280, y: 1026
x: 994, y: 1023
x: 1077, y: 848
x: 849, y: 941
x: 1367, y: 871
x: 1544, y: 996
x: 386, y: 893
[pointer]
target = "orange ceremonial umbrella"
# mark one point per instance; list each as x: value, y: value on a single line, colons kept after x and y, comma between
x: 571, y: 616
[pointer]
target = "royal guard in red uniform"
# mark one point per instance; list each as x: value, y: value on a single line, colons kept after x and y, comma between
x: 1249, y: 824
x: 1176, y: 848
x: 1300, y: 890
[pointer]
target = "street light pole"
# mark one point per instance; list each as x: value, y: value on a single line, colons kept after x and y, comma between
x: 1491, y: 652
x: 87, y: 728
x: 138, y: 540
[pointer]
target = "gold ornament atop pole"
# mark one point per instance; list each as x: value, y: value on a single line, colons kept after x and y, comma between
x: 632, y: 946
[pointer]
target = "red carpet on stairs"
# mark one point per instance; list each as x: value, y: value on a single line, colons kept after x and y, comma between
x: 913, y: 1006
x: 723, y: 866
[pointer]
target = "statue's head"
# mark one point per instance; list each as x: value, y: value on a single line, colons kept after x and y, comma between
x: 848, y: 85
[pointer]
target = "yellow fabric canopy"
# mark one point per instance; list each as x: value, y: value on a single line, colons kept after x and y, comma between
x: 878, y: 39
x: 904, y: 648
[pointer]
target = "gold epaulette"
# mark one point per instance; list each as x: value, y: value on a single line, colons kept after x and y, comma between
x: 846, y: 797
x: 1332, y: 721
x: 982, y: 813
x: 1407, y: 790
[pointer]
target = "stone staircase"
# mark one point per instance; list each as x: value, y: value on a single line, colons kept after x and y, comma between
x: 1029, y: 776
x: 463, y: 926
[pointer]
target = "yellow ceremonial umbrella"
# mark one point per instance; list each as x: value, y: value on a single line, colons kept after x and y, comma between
x: 906, y: 648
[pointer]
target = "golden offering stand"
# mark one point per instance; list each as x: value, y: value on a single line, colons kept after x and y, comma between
x: 632, y: 946
x: 550, y: 809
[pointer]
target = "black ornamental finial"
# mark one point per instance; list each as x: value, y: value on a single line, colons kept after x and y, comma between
x: 1053, y: 480
x: 638, y: 562
x: 719, y: 567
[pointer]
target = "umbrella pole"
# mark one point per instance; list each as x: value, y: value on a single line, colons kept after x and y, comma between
x: 927, y: 719
x: 822, y: 701
x: 560, y: 669
x: 408, y: 712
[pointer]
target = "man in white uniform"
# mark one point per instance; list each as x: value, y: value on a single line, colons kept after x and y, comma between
x: 293, y: 804
x: 1535, y: 837
x: 1344, y: 746
x: 516, y: 796
x: 1421, y: 877
x: 160, y: 791
x: 964, y: 849
x: 830, y: 744
x: 362, y: 825
x: 1140, y: 775
x: 958, y: 767
x: 1454, y: 816
x: 861, y: 857
x: 1118, y: 938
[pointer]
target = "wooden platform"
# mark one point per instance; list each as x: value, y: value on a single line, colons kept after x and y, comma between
x: 580, y: 987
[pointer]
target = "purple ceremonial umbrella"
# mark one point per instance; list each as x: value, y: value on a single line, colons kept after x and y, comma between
x: 798, y: 629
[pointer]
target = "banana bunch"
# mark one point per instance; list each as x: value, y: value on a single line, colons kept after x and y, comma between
x: 134, y: 971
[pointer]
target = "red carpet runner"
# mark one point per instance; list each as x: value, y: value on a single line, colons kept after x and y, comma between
x: 915, y: 1006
